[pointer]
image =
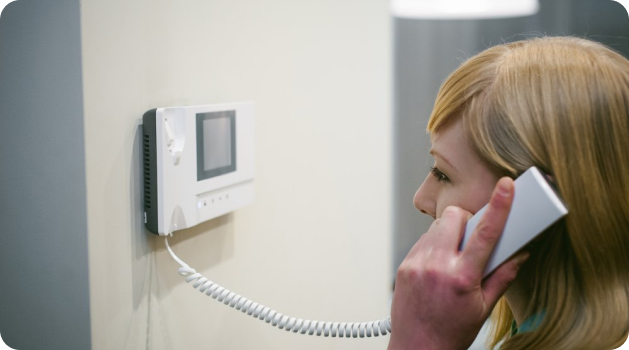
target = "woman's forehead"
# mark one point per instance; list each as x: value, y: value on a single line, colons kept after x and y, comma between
x: 451, y: 144
x: 451, y: 133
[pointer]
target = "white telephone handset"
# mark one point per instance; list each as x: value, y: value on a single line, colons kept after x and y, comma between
x: 535, y: 207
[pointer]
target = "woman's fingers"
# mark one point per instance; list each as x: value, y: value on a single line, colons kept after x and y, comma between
x: 447, y: 231
x: 477, y: 251
x: 436, y: 280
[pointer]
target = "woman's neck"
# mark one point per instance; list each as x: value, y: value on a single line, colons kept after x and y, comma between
x: 520, y: 294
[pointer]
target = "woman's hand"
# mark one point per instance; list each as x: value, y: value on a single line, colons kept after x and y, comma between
x: 441, y: 300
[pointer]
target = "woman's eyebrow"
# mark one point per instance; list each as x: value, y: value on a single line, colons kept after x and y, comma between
x: 442, y: 157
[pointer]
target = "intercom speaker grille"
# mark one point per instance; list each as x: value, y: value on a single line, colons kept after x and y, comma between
x: 147, y: 172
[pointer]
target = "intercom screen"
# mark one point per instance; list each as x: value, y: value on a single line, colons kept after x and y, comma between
x: 216, y: 144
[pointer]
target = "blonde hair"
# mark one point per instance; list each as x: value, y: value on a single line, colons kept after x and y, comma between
x: 561, y: 104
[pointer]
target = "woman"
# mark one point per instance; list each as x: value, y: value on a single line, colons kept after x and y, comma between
x: 560, y: 104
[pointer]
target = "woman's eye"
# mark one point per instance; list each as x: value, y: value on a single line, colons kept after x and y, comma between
x: 441, y: 177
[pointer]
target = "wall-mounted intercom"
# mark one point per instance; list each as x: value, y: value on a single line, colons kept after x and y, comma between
x: 198, y: 164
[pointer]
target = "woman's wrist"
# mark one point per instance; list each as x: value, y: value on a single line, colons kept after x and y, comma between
x: 418, y: 341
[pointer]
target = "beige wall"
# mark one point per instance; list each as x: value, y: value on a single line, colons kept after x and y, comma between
x: 316, y: 242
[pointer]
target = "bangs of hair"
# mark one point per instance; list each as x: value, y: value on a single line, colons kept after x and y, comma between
x: 468, y: 93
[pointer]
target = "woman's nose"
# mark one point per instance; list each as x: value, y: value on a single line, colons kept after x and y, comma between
x: 424, y: 199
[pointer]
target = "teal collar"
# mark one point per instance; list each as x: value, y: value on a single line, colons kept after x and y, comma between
x: 529, y: 325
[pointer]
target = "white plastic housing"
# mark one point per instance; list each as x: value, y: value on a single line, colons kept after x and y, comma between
x: 183, y: 200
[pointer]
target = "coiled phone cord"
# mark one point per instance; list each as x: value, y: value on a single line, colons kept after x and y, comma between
x: 276, y: 319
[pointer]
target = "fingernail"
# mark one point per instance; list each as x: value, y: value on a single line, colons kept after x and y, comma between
x: 504, y: 187
x: 448, y: 211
